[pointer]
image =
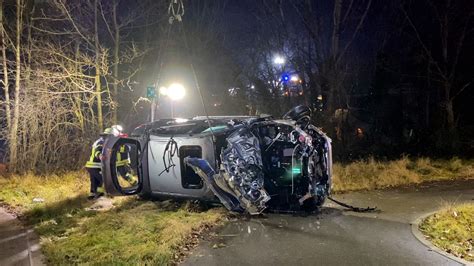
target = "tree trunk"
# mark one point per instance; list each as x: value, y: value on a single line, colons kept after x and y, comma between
x: 116, y: 63
x: 98, y: 89
x: 27, y: 155
x: 5, y: 69
x: 13, y: 143
x: 76, y: 101
x: 336, y: 29
x: 448, y: 107
x: 331, y: 67
x: 450, y: 115
x: 16, y: 101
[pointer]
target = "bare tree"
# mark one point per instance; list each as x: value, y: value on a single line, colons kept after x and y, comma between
x: 5, y: 81
x: 119, y: 25
x: 454, y: 23
x: 59, y: 62
x: 13, y: 144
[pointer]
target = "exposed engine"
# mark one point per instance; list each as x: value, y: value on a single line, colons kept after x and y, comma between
x: 242, y: 169
x: 277, y: 164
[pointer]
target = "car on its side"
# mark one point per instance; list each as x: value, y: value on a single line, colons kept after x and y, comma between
x: 248, y: 163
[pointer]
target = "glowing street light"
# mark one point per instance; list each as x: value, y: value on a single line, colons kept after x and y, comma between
x: 176, y: 92
x: 278, y: 60
x: 163, y: 90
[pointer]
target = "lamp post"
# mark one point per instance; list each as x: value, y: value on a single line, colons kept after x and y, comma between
x: 279, y: 60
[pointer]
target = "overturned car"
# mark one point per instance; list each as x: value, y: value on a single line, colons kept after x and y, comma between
x: 248, y: 163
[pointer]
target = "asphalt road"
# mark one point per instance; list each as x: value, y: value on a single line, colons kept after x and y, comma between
x: 337, y: 236
x: 18, y: 245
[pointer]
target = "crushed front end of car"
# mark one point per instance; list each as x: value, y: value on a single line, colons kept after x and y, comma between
x: 263, y: 163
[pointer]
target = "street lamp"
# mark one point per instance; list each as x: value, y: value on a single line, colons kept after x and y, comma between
x: 278, y: 60
x: 175, y: 92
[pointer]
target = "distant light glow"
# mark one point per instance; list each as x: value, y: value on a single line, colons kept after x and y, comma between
x: 294, y: 78
x: 176, y: 91
x: 278, y: 60
x: 252, y: 87
x: 163, y: 90
x: 233, y: 91
x: 320, y: 97
x: 285, y: 77
x: 181, y: 120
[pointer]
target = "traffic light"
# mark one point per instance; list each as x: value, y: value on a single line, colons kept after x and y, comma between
x: 150, y: 92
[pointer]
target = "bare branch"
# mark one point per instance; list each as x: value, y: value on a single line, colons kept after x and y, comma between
x: 356, y: 31
x: 428, y: 53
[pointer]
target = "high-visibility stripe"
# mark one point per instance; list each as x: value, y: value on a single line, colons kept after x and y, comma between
x: 94, y: 160
x: 123, y: 162
x: 122, y: 156
x: 93, y: 165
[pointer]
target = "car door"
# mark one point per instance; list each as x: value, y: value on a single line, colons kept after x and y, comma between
x: 122, y: 176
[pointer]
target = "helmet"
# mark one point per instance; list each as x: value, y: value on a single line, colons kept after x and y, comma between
x: 119, y: 128
x: 110, y: 131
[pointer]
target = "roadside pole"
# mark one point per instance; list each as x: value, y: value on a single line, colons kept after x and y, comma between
x: 153, y: 108
x: 151, y: 95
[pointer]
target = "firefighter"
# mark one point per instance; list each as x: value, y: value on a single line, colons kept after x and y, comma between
x: 123, y: 159
x: 123, y: 164
x: 93, y: 165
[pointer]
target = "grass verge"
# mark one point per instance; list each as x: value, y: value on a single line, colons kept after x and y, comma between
x: 452, y: 229
x: 144, y: 232
x: 372, y: 174
x: 134, y: 232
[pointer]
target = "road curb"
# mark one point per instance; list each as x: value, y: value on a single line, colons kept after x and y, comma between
x: 418, y: 235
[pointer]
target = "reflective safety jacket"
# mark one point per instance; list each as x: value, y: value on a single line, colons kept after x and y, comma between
x: 123, y: 157
x: 94, y: 159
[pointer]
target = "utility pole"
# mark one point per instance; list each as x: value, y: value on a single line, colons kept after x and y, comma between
x: 153, y: 108
x: 151, y: 95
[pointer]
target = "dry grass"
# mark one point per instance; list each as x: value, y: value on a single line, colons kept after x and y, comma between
x: 372, y: 174
x: 134, y: 232
x: 19, y: 191
x: 452, y: 229
x: 144, y: 232
x: 137, y: 232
